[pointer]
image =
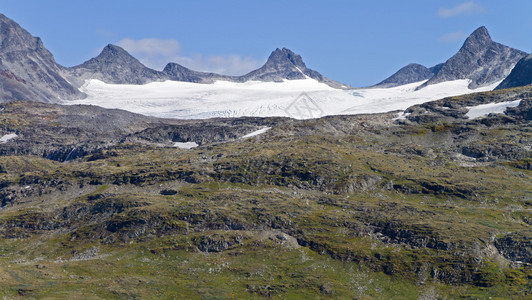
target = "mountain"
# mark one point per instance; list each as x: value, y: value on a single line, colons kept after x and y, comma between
x: 480, y: 59
x: 282, y: 64
x: 409, y: 74
x: 285, y: 64
x: 521, y: 74
x: 115, y: 65
x: 179, y: 73
x: 28, y: 71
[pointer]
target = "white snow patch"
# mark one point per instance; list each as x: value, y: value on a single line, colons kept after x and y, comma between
x: 8, y: 137
x: 401, y: 116
x: 490, y: 108
x: 186, y: 145
x: 255, y: 133
x: 185, y: 100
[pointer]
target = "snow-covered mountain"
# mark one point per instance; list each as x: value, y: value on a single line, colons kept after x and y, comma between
x: 283, y: 86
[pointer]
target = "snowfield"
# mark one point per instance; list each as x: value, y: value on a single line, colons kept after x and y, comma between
x: 490, y: 108
x: 6, y: 138
x: 185, y: 145
x: 255, y: 133
x: 300, y: 99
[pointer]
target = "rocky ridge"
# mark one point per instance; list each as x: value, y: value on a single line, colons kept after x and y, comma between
x: 28, y: 70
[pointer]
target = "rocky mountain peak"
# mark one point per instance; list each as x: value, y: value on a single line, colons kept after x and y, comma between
x: 114, y: 65
x: 478, y: 40
x: 115, y: 54
x: 480, y: 60
x: 15, y: 38
x: 285, y: 57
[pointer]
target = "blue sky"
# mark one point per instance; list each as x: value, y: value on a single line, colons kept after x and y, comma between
x: 355, y: 42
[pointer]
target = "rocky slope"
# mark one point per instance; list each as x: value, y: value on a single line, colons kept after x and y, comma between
x: 521, y: 74
x: 480, y: 59
x: 28, y: 70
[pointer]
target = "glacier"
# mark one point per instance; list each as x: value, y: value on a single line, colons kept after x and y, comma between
x: 185, y: 100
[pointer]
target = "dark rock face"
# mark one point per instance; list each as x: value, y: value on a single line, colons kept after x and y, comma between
x: 515, y: 247
x: 521, y: 74
x: 480, y: 59
x: 28, y: 70
x: 115, y: 65
x: 409, y: 74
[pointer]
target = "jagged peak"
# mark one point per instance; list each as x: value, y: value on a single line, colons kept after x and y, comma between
x: 478, y: 39
x: 172, y: 65
x: 285, y: 56
x: 114, y: 49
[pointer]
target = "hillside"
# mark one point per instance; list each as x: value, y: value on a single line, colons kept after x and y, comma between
x: 431, y: 204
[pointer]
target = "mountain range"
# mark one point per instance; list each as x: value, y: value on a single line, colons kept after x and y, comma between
x: 28, y: 71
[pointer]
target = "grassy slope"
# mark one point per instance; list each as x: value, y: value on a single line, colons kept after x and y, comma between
x: 296, y: 217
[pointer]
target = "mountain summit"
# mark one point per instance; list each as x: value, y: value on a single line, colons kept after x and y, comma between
x: 480, y: 59
x: 28, y: 71
x: 115, y: 65
x: 284, y: 64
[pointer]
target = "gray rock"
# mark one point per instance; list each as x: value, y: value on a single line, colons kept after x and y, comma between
x: 114, y: 65
x: 28, y: 71
x: 409, y: 74
x: 480, y: 59
x: 521, y: 74
x: 178, y: 72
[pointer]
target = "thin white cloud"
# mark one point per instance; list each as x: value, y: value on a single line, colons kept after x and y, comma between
x: 156, y: 53
x: 452, y: 37
x: 464, y: 8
